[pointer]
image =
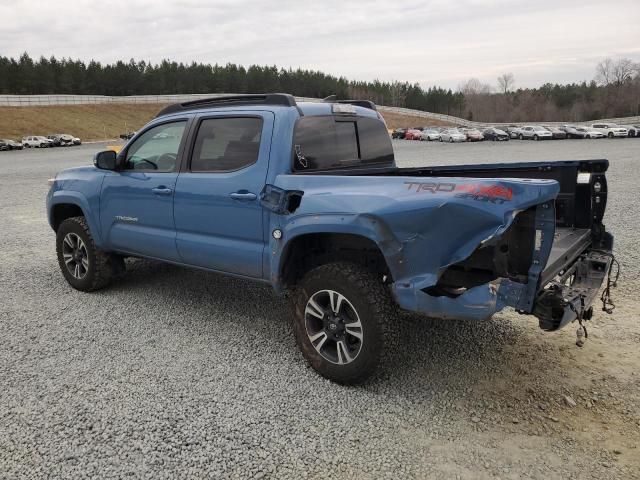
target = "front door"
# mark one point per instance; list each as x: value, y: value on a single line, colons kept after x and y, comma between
x: 217, y: 208
x: 136, y: 202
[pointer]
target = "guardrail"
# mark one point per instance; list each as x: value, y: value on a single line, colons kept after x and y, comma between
x: 45, y: 100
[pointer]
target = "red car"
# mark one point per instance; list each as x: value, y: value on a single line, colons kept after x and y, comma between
x: 413, y: 134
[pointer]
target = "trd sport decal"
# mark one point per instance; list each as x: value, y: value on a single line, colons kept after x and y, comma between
x: 476, y: 191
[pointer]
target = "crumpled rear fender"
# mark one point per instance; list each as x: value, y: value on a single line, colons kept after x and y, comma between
x: 422, y: 226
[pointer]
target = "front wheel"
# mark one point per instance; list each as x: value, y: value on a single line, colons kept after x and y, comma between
x: 536, y: 138
x: 521, y: 137
x: 610, y: 135
x: 83, y: 265
x: 340, y: 313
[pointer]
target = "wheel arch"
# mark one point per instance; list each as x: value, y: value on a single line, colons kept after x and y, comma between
x: 68, y: 205
x: 308, y: 250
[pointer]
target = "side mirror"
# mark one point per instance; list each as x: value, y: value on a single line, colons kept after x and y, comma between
x: 106, y: 160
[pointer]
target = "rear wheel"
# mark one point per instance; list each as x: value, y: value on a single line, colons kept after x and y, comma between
x: 450, y: 139
x: 340, y: 313
x: 610, y: 135
x: 83, y: 265
x: 521, y: 137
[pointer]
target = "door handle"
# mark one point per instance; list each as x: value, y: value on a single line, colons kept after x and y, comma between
x: 243, y: 196
x: 162, y: 191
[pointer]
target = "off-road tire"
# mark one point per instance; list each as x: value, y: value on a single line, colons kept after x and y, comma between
x: 376, y: 310
x: 103, y: 266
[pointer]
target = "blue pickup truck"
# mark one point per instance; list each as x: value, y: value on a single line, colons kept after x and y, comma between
x: 307, y: 197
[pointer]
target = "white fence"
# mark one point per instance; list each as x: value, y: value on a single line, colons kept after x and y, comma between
x: 44, y: 100
x: 468, y: 123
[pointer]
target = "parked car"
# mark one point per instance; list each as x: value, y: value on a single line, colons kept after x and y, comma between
x: 397, y: 133
x: 534, y: 132
x: 632, y: 130
x: 36, y: 141
x: 430, y: 134
x: 349, y: 243
x: 590, y: 132
x: 495, y: 134
x: 61, y: 140
x: 556, y: 133
x: 11, y: 144
x: 573, y: 132
x: 452, y: 135
x: 513, y: 131
x: 55, y: 140
x: 3, y: 145
x: 610, y: 130
x: 413, y: 134
x: 69, y: 140
x: 473, y: 135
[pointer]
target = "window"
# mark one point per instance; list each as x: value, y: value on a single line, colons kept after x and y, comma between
x: 226, y: 144
x: 324, y: 142
x: 156, y: 149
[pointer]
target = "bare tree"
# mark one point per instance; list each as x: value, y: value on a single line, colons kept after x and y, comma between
x: 618, y: 72
x: 506, y: 82
x: 473, y: 86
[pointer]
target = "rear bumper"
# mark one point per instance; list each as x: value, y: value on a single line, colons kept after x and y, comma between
x: 574, y: 290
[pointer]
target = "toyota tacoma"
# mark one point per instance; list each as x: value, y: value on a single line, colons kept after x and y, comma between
x: 308, y: 198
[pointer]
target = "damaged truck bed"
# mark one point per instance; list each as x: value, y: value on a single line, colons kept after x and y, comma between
x: 466, y: 241
x: 308, y: 197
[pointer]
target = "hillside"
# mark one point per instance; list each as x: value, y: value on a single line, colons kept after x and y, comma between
x: 107, y: 121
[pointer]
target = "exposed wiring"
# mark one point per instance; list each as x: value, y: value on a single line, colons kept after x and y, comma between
x: 607, y: 302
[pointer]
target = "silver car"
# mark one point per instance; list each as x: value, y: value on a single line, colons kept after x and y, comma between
x: 535, y: 132
x: 590, y: 132
x: 452, y: 135
x: 430, y: 134
x: 36, y: 141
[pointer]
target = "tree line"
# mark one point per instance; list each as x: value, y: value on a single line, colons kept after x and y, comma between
x: 614, y: 91
x: 66, y: 76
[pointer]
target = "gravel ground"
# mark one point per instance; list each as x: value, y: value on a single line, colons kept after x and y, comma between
x: 174, y: 373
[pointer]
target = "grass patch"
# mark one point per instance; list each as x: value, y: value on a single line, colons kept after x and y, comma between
x: 107, y: 121
x: 89, y: 122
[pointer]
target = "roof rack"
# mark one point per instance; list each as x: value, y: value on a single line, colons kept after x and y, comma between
x: 358, y: 103
x: 283, y: 99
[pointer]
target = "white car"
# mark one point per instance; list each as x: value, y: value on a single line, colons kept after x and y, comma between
x: 535, y: 132
x: 590, y: 132
x: 632, y: 130
x: 430, y: 134
x: 610, y: 129
x: 452, y: 135
x: 36, y: 142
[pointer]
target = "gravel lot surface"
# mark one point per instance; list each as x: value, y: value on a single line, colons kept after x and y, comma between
x: 174, y: 373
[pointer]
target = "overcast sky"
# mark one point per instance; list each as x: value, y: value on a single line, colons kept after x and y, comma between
x: 433, y: 42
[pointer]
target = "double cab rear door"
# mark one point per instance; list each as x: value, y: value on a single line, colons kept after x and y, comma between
x: 189, y: 191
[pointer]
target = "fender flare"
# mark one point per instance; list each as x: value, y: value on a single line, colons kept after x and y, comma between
x: 363, y: 225
x: 80, y: 201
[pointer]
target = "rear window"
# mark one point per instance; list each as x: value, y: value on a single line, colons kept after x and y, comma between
x: 326, y: 142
